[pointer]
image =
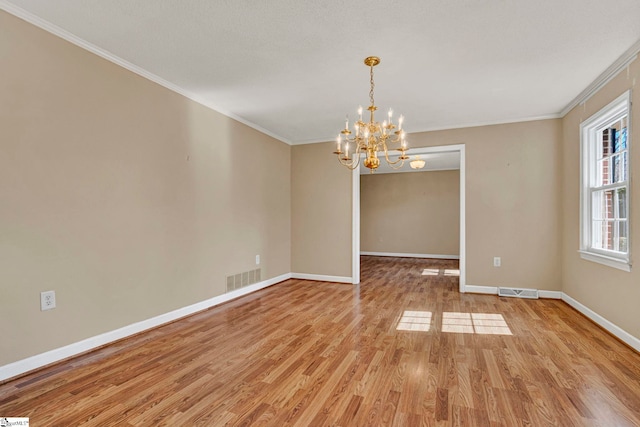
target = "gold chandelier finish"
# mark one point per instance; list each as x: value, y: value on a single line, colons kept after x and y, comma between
x: 371, y: 137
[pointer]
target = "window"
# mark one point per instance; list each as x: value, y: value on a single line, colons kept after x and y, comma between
x: 604, y: 199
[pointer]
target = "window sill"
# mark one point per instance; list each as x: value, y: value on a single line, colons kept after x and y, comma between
x: 605, y: 260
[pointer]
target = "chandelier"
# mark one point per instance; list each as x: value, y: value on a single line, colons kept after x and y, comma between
x: 371, y: 137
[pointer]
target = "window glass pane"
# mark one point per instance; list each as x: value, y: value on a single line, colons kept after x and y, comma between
x: 615, y: 168
x: 608, y: 200
x: 602, y: 235
x: 610, y: 235
x: 621, y: 197
x: 607, y: 137
x: 597, y: 204
x: 609, y: 230
x: 602, y: 172
x: 606, y: 171
x: 597, y: 199
x: 596, y: 234
x: 618, y: 165
x: 622, y: 236
x: 602, y: 204
x: 620, y: 139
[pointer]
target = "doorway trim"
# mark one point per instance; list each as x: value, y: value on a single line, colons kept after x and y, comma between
x: 355, y: 211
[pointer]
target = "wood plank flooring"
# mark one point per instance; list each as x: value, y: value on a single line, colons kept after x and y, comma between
x: 401, y: 349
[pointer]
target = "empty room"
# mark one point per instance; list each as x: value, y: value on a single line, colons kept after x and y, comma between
x: 334, y: 213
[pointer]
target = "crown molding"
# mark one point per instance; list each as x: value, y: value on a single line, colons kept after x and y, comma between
x: 105, y: 54
x: 452, y: 127
x: 607, y: 75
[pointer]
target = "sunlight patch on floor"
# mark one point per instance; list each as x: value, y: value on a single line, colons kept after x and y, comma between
x: 439, y: 272
x: 415, y: 321
x: 475, y: 323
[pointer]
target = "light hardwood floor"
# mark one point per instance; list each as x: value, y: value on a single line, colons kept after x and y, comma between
x: 401, y: 349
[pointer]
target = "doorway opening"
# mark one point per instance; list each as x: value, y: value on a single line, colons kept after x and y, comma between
x: 355, y: 256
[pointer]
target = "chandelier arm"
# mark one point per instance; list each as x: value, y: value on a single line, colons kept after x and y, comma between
x: 396, y: 139
x: 351, y: 165
x: 355, y: 160
x: 359, y: 147
x: 391, y: 165
x: 386, y: 156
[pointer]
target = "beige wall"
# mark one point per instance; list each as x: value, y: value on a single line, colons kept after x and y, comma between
x: 612, y: 293
x: 320, y: 212
x: 512, y: 201
x: 125, y: 198
x: 414, y: 213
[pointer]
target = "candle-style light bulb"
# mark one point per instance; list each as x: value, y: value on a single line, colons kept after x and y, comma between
x: 390, y: 114
x: 400, y: 120
x: 346, y: 122
x: 338, y: 142
x: 360, y: 113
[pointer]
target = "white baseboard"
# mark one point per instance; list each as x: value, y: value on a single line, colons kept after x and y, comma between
x: 403, y: 255
x: 322, y: 278
x: 614, y: 329
x: 474, y: 289
x: 550, y: 294
x: 40, y: 360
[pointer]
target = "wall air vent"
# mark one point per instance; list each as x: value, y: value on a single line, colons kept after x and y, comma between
x: 240, y: 280
x: 518, y: 293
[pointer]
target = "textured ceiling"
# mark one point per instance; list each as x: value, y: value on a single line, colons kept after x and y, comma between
x: 294, y: 68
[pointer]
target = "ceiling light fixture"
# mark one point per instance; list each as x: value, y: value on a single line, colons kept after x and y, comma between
x: 416, y: 163
x: 372, y: 136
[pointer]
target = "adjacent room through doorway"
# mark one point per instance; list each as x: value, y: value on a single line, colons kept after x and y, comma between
x: 416, y: 213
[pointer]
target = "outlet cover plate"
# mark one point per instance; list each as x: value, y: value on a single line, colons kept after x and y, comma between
x: 47, y: 300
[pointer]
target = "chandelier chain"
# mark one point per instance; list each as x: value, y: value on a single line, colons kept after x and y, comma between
x: 372, y: 86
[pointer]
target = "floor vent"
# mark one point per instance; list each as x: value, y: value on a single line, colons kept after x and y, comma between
x: 518, y: 293
x: 240, y: 280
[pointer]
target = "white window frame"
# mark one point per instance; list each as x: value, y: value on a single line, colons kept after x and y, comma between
x: 589, y: 130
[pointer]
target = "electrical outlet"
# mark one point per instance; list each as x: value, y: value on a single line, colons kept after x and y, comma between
x: 47, y: 300
x: 257, y: 259
x: 497, y: 261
